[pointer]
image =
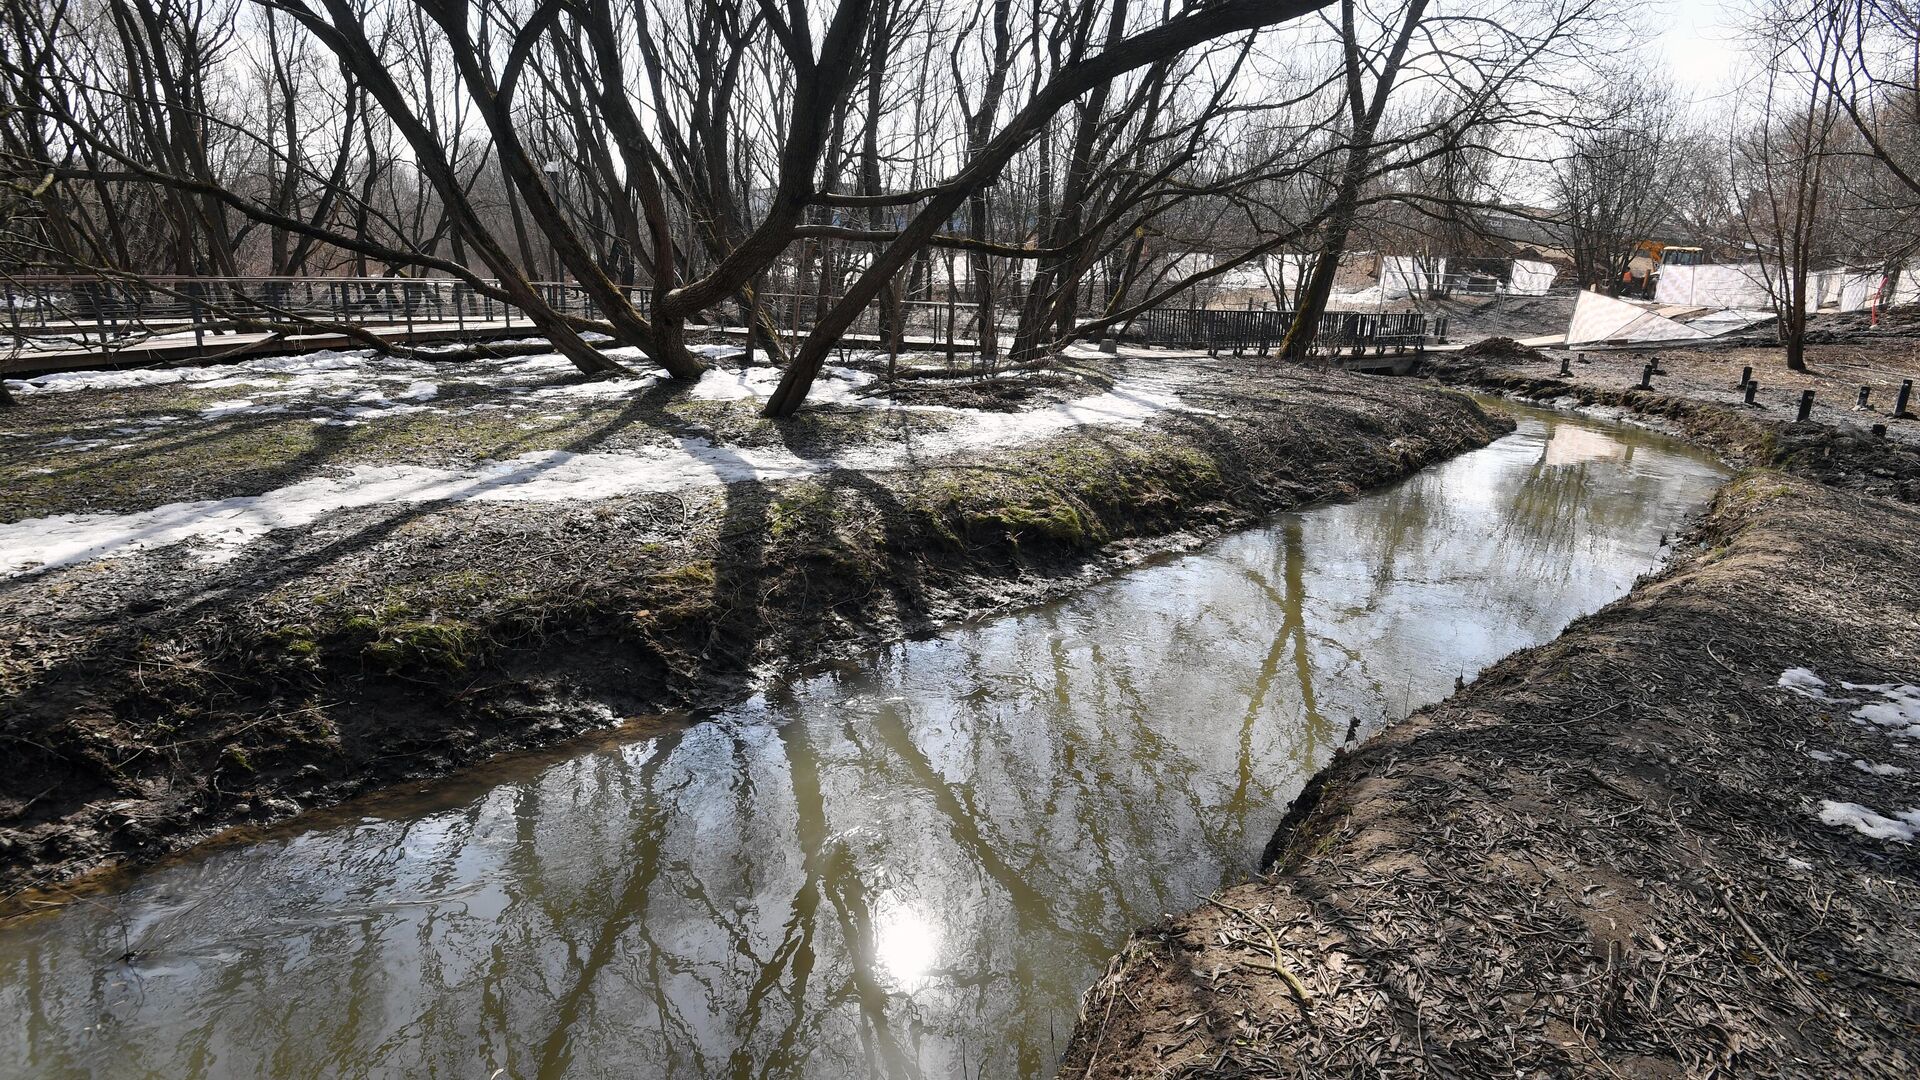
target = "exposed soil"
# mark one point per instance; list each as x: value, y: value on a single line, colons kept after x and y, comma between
x: 1630, y: 852
x: 148, y: 700
x: 1474, y: 319
x: 1836, y: 446
x: 1500, y: 350
x: 1844, y: 358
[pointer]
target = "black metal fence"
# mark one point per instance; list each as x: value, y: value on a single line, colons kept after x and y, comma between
x: 49, y: 313
x: 1218, y: 329
x: 54, y: 312
x: 43, y: 314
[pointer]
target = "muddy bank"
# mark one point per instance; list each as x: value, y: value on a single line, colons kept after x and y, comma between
x: 1672, y: 842
x: 153, y: 698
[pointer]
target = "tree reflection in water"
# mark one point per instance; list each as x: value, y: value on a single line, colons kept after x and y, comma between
x: 911, y: 869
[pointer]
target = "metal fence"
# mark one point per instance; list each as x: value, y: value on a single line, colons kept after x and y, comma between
x: 1218, y: 329
x: 104, y: 313
x: 53, y: 314
x: 56, y: 313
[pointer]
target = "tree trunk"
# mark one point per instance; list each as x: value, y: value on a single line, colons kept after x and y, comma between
x: 1365, y: 120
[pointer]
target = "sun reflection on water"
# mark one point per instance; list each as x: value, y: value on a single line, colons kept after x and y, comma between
x: 905, y: 946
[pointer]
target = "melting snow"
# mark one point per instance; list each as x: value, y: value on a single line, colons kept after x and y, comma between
x: 1898, y: 709
x: 1901, y: 827
x: 225, y: 525
x: 1801, y: 681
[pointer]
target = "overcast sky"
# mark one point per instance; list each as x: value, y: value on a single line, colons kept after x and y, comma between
x: 1697, y: 45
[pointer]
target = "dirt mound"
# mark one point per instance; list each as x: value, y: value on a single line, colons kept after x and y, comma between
x: 1849, y: 458
x: 1841, y: 326
x: 1503, y: 350
x: 1506, y: 316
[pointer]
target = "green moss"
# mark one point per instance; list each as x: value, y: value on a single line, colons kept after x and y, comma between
x: 449, y: 645
x: 806, y: 510
x: 296, y: 639
x: 699, y: 574
x: 233, y: 757
x: 1053, y: 519
x: 1069, y: 494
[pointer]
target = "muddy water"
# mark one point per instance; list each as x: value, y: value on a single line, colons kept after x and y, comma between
x: 910, y: 867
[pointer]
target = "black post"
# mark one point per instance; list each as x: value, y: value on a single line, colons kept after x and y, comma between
x: 1864, y: 392
x: 1646, y: 377
x: 1751, y: 388
x: 1746, y: 376
x: 1806, y: 407
x: 1900, y: 399
x: 1566, y: 365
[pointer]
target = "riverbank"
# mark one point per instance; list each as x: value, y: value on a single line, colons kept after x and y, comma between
x: 1678, y: 840
x: 238, y: 674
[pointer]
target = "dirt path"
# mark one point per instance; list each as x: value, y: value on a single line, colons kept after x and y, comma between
x: 151, y: 698
x: 1673, y: 842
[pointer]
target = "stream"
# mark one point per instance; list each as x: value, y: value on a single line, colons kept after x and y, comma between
x: 912, y: 865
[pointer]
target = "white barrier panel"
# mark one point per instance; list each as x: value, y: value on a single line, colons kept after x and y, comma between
x: 1744, y: 285
x: 1598, y: 318
x: 1530, y: 278
x: 1402, y: 276
x: 1732, y: 286
x: 1284, y: 271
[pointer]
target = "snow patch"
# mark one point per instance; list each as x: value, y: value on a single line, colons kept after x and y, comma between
x: 833, y: 386
x: 1897, y: 711
x: 598, y: 389
x: 1869, y: 823
x: 237, y: 407
x: 1802, y: 681
x: 226, y: 525
x: 332, y: 387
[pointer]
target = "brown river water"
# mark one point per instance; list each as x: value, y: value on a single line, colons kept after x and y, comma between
x: 909, y: 866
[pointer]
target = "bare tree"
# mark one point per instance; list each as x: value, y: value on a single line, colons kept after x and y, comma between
x: 1786, y: 161
x: 1613, y: 186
